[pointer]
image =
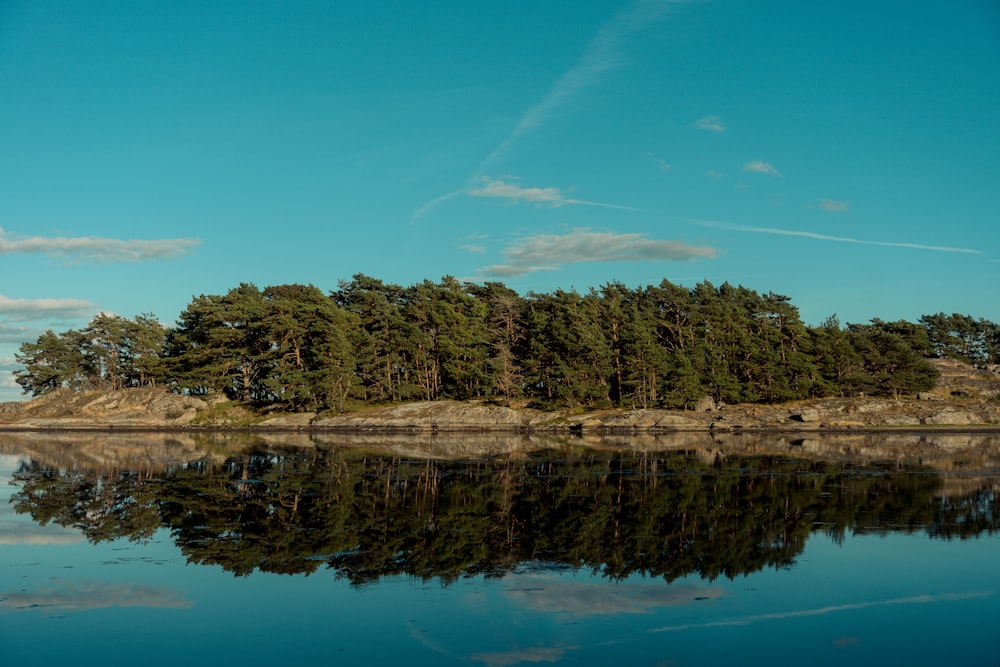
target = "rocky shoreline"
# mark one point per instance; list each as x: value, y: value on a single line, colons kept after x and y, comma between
x: 965, y: 399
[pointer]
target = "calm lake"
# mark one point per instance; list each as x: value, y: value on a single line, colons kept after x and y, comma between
x: 167, y: 549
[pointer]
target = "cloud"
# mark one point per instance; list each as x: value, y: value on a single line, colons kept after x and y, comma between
x: 433, y: 204
x: 95, y: 249
x: 824, y: 237
x: 547, y: 595
x: 474, y: 248
x: 7, y: 380
x: 662, y: 164
x: 17, y: 334
x: 549, y: 251
x: 13, y: 310
x: 84, y: 595
x: 833, y: 205
x: 710, y: 124
x: 759, y: 167
x: 712, y: 173
x: 500, y: 189
x: 601, y: 56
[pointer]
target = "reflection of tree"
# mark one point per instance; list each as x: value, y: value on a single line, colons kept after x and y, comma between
x: 664, y: 514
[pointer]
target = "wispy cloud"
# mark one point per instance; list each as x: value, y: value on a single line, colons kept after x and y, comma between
x: 542, y: 252
x: 14, y: 310
x: 16, y: 334
x: 825, y: 237
x: 601, y: 56
x: 662, y: 164
x: 833, y: 205
x: 433, y: 204
x: 500, y: 189
x: 710, y: 124
x: 760, y: 167
x: 95, y: 249
x: 8, y: 381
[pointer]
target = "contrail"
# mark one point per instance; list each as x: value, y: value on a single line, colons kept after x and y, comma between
x: 824, y: 237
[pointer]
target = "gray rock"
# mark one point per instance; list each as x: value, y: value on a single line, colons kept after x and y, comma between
x: 706, y: 404
x: 950, y: 417
x: 807, y: 415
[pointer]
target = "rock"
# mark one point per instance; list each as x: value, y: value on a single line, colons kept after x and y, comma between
x: 11, y: 411
x: 436, y: 415
x: 146, y: 407
x: 706, y: 404
x: 807, y: 415
x: 950, y: 417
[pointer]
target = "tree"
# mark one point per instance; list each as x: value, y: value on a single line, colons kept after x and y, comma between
x: 312, y: 360
x: 506, y: 336
x: 569, y: 359
x: 51, y: 362
x: 962, y: 337
x: 382, y: 339
x: 219, y: 344
x: 835, y: 358
x: 891, y: 366
x: 145, y: 338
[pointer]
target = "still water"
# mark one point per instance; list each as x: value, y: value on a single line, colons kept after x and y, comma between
x: 160, y: 549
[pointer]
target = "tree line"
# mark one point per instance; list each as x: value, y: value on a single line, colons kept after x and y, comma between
x: 297, y: 348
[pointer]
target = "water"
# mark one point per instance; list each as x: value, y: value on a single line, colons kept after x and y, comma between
x: 174, y: 550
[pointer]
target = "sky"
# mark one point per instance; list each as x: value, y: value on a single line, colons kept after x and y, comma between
x: 845, y: 154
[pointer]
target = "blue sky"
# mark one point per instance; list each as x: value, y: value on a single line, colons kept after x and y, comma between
x: 846, y: 154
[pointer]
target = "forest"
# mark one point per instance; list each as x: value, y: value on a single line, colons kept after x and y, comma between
x: 295, y: 348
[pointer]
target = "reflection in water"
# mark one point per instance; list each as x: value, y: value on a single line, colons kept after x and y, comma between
x: 822, y: 611
x: 548, y: 594
x: 76, y: 596
x: 287, y: 509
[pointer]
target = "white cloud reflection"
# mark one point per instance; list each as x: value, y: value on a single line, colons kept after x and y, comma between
x: 25, y: 532
x: 85, y: 595
x: 822, y: 611
x: 547, y: 594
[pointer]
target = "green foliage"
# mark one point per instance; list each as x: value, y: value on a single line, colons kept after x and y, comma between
x: 296, y: 348
x: 890, y: 366
x: 962, y: 337
x: 111, y: 352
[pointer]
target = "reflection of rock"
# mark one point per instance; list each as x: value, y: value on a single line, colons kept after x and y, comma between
x: 812, y: 445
